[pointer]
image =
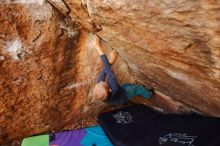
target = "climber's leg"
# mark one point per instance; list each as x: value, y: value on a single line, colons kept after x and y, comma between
x: 136, y: 90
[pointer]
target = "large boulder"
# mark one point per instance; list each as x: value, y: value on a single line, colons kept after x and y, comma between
x: 48, y: 65
x: 173, y: 46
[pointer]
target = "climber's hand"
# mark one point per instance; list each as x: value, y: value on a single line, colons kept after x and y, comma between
x: 97, y: 45
x: 97, y: 42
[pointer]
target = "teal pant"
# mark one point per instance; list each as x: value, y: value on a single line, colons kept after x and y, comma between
x: 136, y: 90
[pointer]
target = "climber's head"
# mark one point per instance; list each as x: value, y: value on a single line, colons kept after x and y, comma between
x: 101, y: 91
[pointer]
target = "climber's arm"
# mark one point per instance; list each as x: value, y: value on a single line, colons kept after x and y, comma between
x: 108, y: 72
x: 111, y: 79
x: 101, y: 76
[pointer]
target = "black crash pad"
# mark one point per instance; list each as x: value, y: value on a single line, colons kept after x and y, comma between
x: 137, y: 125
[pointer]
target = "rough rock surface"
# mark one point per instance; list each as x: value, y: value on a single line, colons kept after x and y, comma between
x: 38, y: 62
x: 48, y: 65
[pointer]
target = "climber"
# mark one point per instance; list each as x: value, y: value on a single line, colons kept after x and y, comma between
x: 109, y: 91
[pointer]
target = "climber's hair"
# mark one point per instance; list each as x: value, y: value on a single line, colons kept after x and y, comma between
x: 100, y: 92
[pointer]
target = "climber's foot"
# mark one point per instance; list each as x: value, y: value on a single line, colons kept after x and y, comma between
x: 150, y: 89
x: 113, y: 57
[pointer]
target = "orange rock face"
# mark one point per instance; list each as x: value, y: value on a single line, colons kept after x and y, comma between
x: 48, y: 65
x: 37, y: 47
